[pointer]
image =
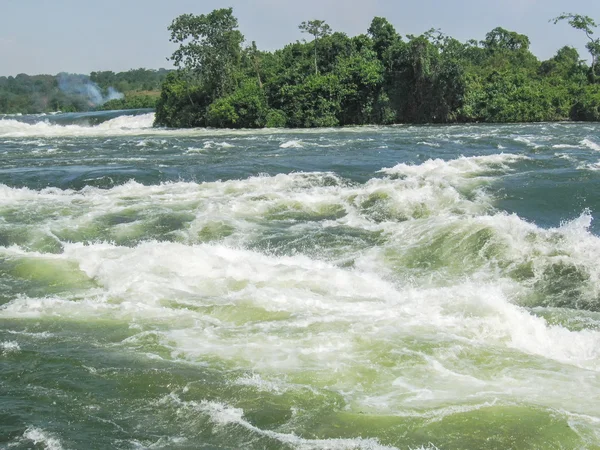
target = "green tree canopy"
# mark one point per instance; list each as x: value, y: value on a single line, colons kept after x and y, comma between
x: 209, y: 48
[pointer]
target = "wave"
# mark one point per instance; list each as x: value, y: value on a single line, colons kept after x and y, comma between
x: 39, y: 438
x: 430, y: 223
x: 318, y: 202
x: 463, y: 166
x: 9, y: 347
x: 429, y: 144
x: 590, y: 144
x: 222, y: 415
x: 563, y: 146
x: 296, y: 315
x: 291, y: 144
x: 527, y: 141
x: 405, y: 293
x: 123, y: 125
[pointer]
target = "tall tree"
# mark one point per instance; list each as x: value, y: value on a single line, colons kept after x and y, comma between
x: 255, y: 59
x: 383, y: 34
x: 210, y: 48
x: 587, y: 25
x: 318, y: 29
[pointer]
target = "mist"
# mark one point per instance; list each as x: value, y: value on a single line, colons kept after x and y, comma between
x: 82, y: 86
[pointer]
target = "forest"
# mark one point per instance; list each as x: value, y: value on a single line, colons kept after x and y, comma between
x: 380, y: 77
x: 25, y: 94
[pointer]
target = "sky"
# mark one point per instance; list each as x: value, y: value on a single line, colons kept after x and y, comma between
x: 80, y: 36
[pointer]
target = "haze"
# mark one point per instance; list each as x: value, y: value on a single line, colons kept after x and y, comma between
x: 39, y: 36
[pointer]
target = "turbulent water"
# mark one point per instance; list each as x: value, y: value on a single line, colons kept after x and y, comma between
x: 360, y: 288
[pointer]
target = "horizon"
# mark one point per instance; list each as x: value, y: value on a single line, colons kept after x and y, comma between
x: 104, y: 42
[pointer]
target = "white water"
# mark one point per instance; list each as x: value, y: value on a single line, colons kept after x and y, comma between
x: 300, y: 314
x: 9, y: 347
x: 123, y: 125
x: 355, y: 289
x: 590, y: 144
x: 41, y: 438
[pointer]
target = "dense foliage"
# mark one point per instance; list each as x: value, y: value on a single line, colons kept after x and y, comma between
x: 374, y: 78
x: 70, y: 93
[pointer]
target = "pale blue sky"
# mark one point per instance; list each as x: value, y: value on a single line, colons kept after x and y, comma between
x: 44, y: 36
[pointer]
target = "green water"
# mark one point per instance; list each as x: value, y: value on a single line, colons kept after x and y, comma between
x: 364, y: 288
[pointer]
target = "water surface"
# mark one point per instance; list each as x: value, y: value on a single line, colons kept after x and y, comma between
x: 358, y: 288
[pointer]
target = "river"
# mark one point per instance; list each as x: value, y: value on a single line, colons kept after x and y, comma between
x: 402, y: 287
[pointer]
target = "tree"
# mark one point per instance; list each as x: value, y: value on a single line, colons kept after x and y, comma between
x: 374, y: 78
x: 182, y: 104
x: 254, y: 55
x: 566, y: 64
x: 383, y: 34
x: 587, y: 25
x: 318, y: 29
x: 507, y: 50
x: 500, y: 39
x: 210, y: 48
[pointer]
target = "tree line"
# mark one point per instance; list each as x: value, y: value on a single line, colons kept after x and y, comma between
x: 379, y: 77
x: 74, y: 93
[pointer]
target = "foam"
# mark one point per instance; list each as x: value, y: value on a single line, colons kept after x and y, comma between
x: 463, y: 166
x: 590, y: 144
x: 41, y: 437
x: 143, y: 125
x: 10, y: 347
x: 429, y: 144
x: 567, y: 146
x: 591, y: 166
x: 238, y: 203
x: 291, y: 144
x: 212, y: 144
x: 310, y: 292
x: 122, y: 125
x: 288, y: 315
x: 527, y: 141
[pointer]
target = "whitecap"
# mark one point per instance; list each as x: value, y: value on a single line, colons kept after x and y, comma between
x: 291, y: 144
x: 10, y: 347
x: 41, y: 437
x: 590, y: 144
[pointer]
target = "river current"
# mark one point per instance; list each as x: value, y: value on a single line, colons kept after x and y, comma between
x: 403, y: 287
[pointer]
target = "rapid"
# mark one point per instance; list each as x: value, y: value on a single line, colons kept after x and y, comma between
x: 402, y: 287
